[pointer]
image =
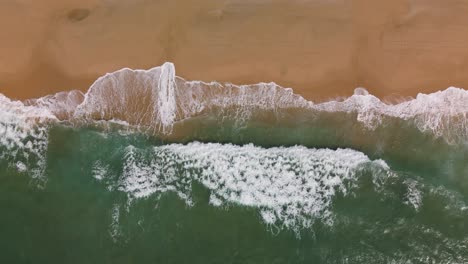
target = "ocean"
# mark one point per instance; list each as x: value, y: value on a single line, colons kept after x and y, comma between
x: 147, y: 167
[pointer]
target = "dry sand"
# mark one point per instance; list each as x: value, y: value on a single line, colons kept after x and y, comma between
x: 321, y: 48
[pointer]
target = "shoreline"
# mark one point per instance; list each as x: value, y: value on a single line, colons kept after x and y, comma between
x: 83, y: 85
x: 321, y: 49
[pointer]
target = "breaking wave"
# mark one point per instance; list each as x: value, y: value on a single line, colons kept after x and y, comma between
x: 291, y: 187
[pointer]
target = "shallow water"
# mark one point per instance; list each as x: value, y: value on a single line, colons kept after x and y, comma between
x: 225, y: 174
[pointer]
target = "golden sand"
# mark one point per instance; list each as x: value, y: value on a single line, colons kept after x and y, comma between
x: 321, y: 48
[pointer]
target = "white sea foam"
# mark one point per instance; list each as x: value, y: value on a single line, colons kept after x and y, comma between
x: 291, y: 187
x: 165, y: 97
x: 443, y: 113
x: 142, y: 177
x: 99, y: 171
x: 62, y: 104
x: 114, y: 228
x: 157, y: 98
x: 23, y: 135
x: 414, y: 194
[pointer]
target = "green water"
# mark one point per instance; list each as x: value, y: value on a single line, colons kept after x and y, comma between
x: 82, y: 210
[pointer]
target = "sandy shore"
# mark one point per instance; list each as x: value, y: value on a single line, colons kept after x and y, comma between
x: 321, y: 48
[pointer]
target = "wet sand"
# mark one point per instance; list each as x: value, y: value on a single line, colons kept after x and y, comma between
x: 320, y: 48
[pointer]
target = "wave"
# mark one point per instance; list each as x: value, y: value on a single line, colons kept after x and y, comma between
x: 359, y: 152
x: 157, y: 100
x: 443, y: 113
x: 291, y: 187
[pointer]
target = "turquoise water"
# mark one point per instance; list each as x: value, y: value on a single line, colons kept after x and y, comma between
x: 171, y: 171
x: 87, y: 208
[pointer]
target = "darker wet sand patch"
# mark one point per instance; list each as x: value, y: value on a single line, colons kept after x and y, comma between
x: 78, y: 14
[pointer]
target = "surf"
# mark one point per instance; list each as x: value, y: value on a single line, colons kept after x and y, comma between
x: 147, y: 154
x: 157, y: 100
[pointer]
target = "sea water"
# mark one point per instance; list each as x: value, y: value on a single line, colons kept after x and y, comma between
x: 147, y: 167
